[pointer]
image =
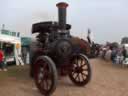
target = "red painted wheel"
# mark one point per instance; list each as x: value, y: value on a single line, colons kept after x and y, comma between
x: 45, y: 75
x: 80, y: 72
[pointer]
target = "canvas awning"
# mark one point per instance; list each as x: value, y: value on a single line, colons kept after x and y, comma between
x: 9, y: 39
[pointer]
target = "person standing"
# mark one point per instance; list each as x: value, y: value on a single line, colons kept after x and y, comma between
x: 124, y: 52
x: 90, y: 37
x: 114, y: 55
x: 2, y: 61
x: 108, y: 54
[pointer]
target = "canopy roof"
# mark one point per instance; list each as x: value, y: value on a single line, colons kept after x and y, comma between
x: 9, y: 39
x: 47, y: 26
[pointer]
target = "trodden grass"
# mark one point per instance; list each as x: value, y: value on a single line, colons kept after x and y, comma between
x: 17, y: 72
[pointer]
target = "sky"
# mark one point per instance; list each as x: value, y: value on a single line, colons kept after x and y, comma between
x: 107, y: 19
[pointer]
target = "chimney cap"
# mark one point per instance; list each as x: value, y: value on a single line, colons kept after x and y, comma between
x: 62, y: 5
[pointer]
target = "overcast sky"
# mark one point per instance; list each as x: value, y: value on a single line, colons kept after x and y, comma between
x: 107, y: 19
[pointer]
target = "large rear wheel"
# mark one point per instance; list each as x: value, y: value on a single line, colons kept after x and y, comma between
x: 80, y: 72
x: 45, y: 75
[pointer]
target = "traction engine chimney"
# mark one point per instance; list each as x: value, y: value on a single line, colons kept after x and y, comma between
x: 62, y: 14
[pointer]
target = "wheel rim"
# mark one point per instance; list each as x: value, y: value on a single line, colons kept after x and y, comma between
x: 80, y: 70
x: 43, y: 76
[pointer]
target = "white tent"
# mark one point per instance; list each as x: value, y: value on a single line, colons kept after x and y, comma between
x: 9, y: 39
x: 17, y: 46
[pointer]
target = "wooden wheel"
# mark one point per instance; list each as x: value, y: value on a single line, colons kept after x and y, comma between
x: 45, y: 75
x: 80, y: 72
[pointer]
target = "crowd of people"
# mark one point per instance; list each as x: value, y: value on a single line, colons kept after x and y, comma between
x: 116, y: 54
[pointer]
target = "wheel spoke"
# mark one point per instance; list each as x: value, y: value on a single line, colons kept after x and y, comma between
x: 47, y: 77
x: 44, y: 66
x: 42, y: 84
x: 82, y: 76
x: 85, y: 69
x: 76, y: 76
x: 75, y: 65
x: 83, y: 65
x: 47, y: 84
x: 73, y: 73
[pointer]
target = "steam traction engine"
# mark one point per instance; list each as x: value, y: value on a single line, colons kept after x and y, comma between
x: 57, y: 52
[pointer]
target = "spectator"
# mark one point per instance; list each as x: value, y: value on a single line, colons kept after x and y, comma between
x: 113, y: 55
x: 2, y: 61
x: 124, y: 52
x: 104, y: 52
x: 119, y: 58
x: 108, y: 54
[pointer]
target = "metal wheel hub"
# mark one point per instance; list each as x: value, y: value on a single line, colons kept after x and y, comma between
x: 78, y: 69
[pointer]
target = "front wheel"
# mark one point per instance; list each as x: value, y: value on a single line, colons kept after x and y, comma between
x: 80, y: 72
x: 45, y: 75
